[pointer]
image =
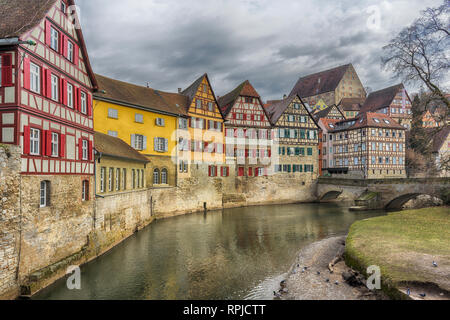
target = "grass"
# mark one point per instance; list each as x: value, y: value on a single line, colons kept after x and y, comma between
x: 404, y: 245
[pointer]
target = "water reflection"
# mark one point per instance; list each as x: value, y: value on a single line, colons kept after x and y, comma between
x: 231, y: 254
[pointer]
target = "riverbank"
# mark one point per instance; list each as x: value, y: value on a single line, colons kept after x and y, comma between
x: 318, y: 274
x: 404, y: 245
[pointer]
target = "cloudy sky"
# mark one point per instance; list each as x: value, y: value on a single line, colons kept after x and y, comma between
x: 169, y: 43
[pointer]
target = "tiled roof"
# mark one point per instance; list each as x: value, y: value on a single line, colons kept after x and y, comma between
x: 368, y: 119
x: 321, y: 82
x: 351, y: 104
x: 381, y: 99
x: 327, y: 122
x: 148, y: 98
x: 19, y: 16
x: 245, y: 89
x: 115, y: 147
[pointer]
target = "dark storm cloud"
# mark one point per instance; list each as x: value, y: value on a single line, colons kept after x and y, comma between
x: 170, y: 43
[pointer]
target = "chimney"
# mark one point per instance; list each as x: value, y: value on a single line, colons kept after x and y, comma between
x: 179, y: 90
x: 284, y: 96
x: 148, y: 84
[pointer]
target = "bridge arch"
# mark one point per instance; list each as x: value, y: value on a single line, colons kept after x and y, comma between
x: 331, y: 195
x: 398, y: 202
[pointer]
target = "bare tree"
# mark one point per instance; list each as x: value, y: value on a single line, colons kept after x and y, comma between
x: 420, y: 53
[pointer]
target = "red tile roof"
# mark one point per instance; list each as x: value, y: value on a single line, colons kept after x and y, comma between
x: 148, y: 98
x: 327, y: 122
x: 381, y: 99
x: 321, y: 82
x: 368, y: 119
x: 351, y: 104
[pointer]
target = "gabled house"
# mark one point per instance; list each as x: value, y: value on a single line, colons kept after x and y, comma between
x: 46, y: 108
x: 393, y: 102
x: 297, y: 135
x: 247, y: 130
x: 332, y: 112
x: 351, y: 107
x: 331, y: 86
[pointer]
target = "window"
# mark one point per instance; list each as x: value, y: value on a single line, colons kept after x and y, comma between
x: 156, y: 176
x: 142, y: 179
x: 110, y: 179
x: 35, y: 78
x: 138, y: 178
x: 310, y: 151
x: 133, y: 178
x: 182, y: 123
x: 44, y: 199
x: 85, y: 150
x: 55, y: 87
x: 85, y: 190
x: 164, y: 176
x: 139, y: 142
x: 161, y: 145
x: 124, y: 179
x: 113, y: 133
x: 54, y: 44
x: 160, y: 122
x: 83, y: 104
x: 55, y: 144
x: 117, y: 179
x: 35, y: 141
x: 210, y: 106
x: 63, y: 7
x: 102, y: 179
x: 70, y: 95
x: 199, y: 104
x: 113, y: 113
x: 70, y: 51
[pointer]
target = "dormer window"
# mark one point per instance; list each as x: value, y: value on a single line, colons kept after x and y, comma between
x: 386, y: 121
x: 376, y: 120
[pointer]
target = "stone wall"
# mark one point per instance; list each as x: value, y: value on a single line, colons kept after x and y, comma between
x: 9, y: 220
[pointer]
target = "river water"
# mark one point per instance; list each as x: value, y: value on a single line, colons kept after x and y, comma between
x: 239, y: 253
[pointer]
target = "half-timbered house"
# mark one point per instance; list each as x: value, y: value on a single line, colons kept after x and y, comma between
x: 393, y: 102
x: 369, y: 146
x: 297, y: 137
x: 247, y: 131
x: 46, y: 109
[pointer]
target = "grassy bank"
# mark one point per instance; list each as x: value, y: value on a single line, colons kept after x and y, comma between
x: 404, y: 245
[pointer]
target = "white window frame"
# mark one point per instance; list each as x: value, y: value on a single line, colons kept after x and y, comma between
x: 54, y: 43
x: 55, y: 144
x: 83, y: 102
x: 35, y: 77
x: 55, y: 87
x: 84, y: 190
x: 85, y: 150
x: 43, y: 194
x: 139, y: 118
x: 35, y: 141
x: 70, y: 51
x: 164, y: 176
x: 110, y: 179
x: 113, y: 113
x: 117, y: 179
x: 139, y: 142
x: 70, y: 95
x: 113, y: 133
x: 102, y: 179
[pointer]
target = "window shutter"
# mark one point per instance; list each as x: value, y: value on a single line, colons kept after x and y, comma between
x: 48, y: 32
x: 249, y: 172
x: 144, y: 143
x: 78, y: 100
x: 6, y: 70
x: 26, y: 140
x: 62, y: 145
x: 89, y: 106
x: 42, y: 140
x: 47, y: 193
x: 228, y: 171
x: 215, y: 171
x: 76, y: 52
x: 209, y: 171
x: 64, y: 92
x: 26, y: 73
x: 48, y: 143
x: 80, y: 149
x: 48, y: 84
x: 155, y: 144
x: 90, y: 150
x: 64, y: 45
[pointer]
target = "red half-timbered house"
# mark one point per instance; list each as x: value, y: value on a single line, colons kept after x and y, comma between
x: 247, y: 131
x: 46, y: 109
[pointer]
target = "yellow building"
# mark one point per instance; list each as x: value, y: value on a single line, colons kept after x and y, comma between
x: 146, y: 119
x: 203, y: 142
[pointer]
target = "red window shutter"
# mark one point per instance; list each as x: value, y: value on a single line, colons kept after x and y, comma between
x: 7, y: 70
x: 43, y: 140
x: 89, y: 105
x: 75, y: 54
x: 48, y: 143
x: 80, y: 149
x: 228, y: 171
x: 234, y: 115
x: 90, y: 150
x: 48, y: 84
x: 64, y: 97
x: 221, y: 171
x: 78, y: 104
x: 26, y: 140
x: 209, y: 171
x: 246, y: 153
x: 215, y: 173
x: 48, y: 32
x: 26, y: 73
x: 256, y: 172
x: 270, y: 153
x: 250, y: 173
x: 64, y: 45
x: 62, y: 145
x: 190, y: 123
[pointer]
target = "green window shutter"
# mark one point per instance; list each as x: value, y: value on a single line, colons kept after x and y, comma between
x: 310, y: 152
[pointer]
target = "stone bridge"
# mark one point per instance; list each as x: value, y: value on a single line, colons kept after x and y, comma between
x: 382, y: 193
